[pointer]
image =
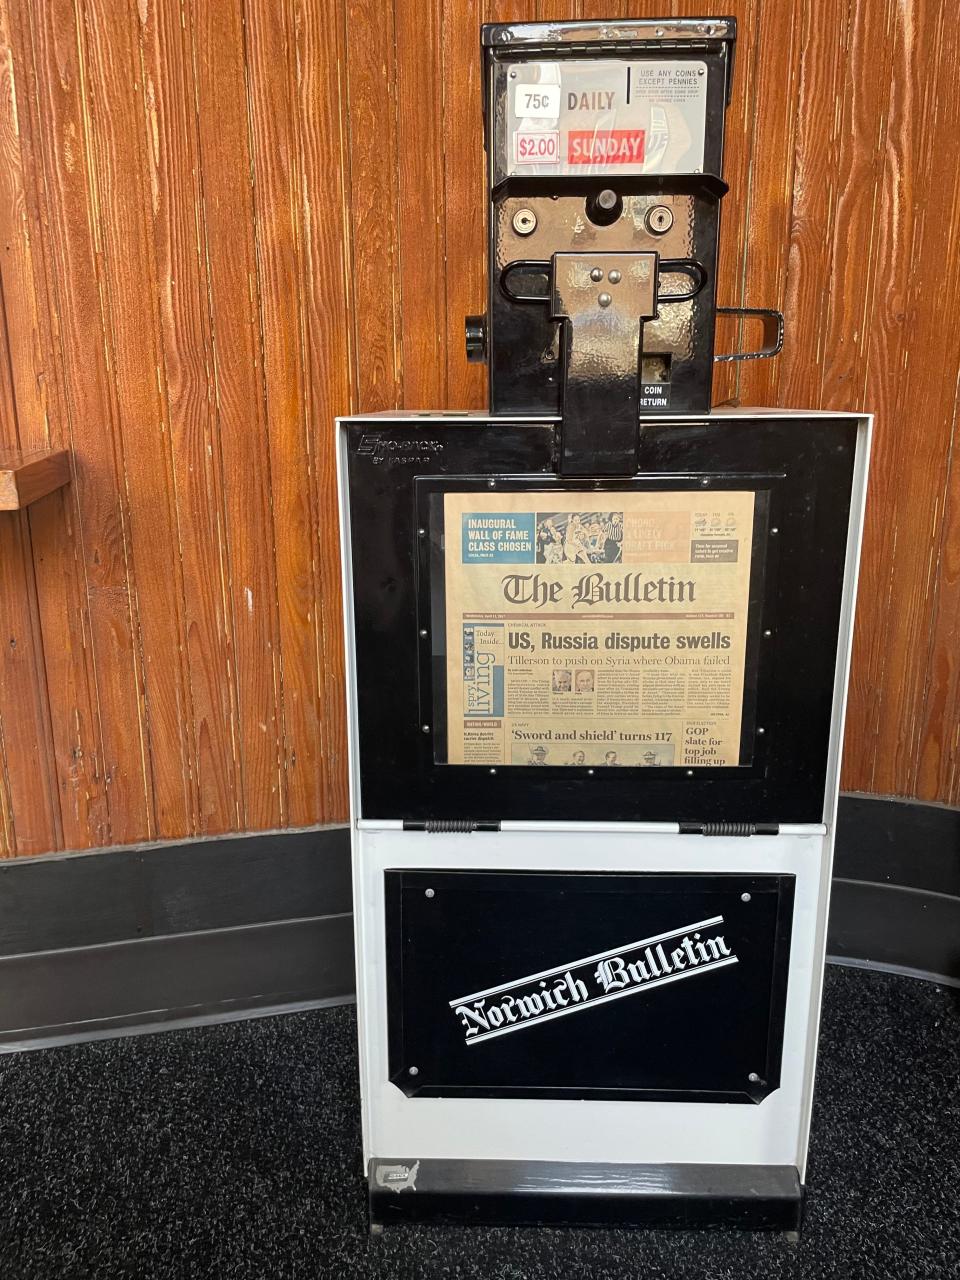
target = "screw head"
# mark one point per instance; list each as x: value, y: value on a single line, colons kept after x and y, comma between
x: 607, y: 199
x: 429, y: 893
x: 744, y: 897
x: 413, y: 1071
x: 753, y: 1078
x: 605, y: 299
x: 491, y: 484
x: 705, y: 482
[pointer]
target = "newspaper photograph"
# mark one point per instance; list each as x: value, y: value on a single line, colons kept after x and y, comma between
x: 596, y: 630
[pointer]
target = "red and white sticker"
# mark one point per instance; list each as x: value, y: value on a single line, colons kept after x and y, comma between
x: 606, y: 146
x: 532, y: 147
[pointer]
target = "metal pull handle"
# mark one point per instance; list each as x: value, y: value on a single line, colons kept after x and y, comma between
x: 773, y: 325
x: 681, y: 267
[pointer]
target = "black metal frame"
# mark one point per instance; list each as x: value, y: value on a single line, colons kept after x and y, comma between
x: 431, y: 595
x: 407, y: 900
x: 807, y: 463
x: 523, y: 344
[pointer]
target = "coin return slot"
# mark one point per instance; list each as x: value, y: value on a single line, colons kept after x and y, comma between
x: 655, y: 368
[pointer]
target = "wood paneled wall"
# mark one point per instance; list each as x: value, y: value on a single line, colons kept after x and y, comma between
x: 224, y: 221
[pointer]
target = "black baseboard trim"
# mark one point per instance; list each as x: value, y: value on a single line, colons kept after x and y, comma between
x: 895, y: 903
x: 137, y: 939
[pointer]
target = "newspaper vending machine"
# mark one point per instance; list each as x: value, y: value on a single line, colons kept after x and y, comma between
x: 597, y: 649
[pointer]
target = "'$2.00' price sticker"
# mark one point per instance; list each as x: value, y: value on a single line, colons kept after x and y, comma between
x: 530, y: 147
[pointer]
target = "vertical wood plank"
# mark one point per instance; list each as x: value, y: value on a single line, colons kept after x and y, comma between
x: 770, y: 185
x: 421, y: 214
x: 119, y: 185
x: 938, y: 764
x: 47, y: 39
x: 29, y: 806
x: 814, y: 202
x: 321, y: 108
x: 921, y: 211
x: 169, y: 126
x: 464, y: 194
x: 278, y: 194
x: 217, y: 32
x: 36, y: 389
x: 28, y: 785
x: 372, y: 211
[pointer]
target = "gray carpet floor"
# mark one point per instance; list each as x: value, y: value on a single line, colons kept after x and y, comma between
x: 234, y: 1151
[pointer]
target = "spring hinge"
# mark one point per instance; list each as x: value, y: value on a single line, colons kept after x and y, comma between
x: 448, y: 826
x: 730, y: 828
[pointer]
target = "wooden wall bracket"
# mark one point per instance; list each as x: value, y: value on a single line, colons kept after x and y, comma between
x: 25, y: 477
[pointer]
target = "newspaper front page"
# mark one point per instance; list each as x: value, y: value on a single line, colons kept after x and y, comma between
x: 596, y: 630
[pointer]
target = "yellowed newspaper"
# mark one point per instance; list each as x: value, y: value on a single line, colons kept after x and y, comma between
x: 597, y: 630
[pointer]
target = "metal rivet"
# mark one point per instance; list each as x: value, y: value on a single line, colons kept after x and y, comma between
x: 422, y: 533
x: 423, y: 633
x: 761, y: 731
x: 491, y: 484
x: 513, y: 75
x: 493, y: 771
x: 705, y: 482
x: 590, y: 772
x: 596, y: 274
x: 413, y: 1071
x: 614, y: 277
x: 425, y: 728
x: 768, y: 632
x: 753, y: 1078
x: 428, y: 893
x: 774, y: 529
x: 744, y: 897
x: 689, y: 773
x: 604, y: 299
x: 701, y: 71
x: 659, y: 32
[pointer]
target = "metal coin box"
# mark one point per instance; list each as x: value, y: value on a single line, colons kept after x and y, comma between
x: 596, y: 682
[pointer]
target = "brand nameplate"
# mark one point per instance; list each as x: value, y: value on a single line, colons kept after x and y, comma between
x: 657, y: 961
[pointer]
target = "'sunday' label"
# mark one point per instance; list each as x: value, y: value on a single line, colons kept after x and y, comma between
x: 618, y: 116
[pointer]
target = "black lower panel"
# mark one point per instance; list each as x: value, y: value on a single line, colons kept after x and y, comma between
x: 748, y: 1197
x: 578, y: 985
